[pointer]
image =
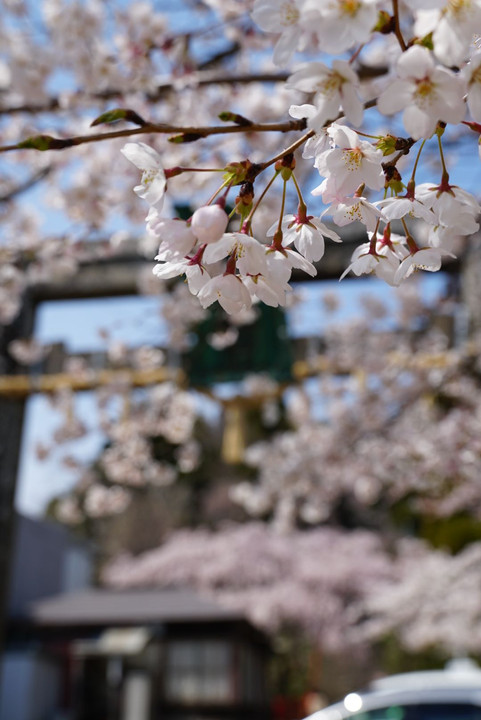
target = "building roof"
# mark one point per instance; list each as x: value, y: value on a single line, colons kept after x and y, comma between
x: 128, y: 607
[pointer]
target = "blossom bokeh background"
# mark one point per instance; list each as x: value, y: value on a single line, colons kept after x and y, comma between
x: 315, y: 467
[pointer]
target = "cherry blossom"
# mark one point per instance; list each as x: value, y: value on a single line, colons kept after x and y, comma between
x: 424, y: 258
x: 285, y: 17
x: 153, y: 182
x: 228, y: 290
x: 276, y: 579
x: 209, y: 223
x: 472, y: 75
x: 356, y: 208
x: 100, y: 501
x: 343, y: 23
x: 316, y: 144
x: 432, y: 601
x: 196, y: 275
x: 352, y: 163
x: 290, y: 259
x: 307, y: 233
x: 382, y: 260
x: 408, y: 205
x: 452, y: 206
x: 335, y: 89
x: 427, y: 93
x: 270, y: 289
x: 249, y: 254
x: 453, y: 25
x: 175, y: 235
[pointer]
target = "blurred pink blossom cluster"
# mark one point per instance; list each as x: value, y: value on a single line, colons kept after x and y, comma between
x: 276, y: 579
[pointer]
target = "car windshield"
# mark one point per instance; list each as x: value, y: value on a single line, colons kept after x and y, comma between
x: 431, y: 711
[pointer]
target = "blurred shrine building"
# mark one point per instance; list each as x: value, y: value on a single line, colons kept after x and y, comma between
x: 83, y: 653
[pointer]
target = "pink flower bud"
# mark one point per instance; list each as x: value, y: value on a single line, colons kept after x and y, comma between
x: 209, y: 223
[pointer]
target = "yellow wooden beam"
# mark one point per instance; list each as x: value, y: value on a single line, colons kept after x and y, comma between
x: 22, y: 386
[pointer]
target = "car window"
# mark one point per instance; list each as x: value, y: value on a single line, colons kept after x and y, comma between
x: 432, y: 711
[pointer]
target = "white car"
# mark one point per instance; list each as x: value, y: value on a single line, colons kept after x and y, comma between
x: 450, y: 694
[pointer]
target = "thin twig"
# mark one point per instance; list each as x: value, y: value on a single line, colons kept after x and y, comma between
x: 408, y: 143
x: 297, y: 144
x: 26, y: 185
x: 397, y: 28
x: 195, y: 79
x: 191, y: 133
x: 300, y: 141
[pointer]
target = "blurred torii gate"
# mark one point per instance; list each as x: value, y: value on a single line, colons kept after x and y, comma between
x: 114, y: 277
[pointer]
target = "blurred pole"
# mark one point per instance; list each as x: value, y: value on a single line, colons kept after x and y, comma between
x: 234, y: 436
x: 11, y: 424
x: 136, y: 696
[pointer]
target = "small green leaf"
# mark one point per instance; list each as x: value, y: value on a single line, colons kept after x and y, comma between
x: 397, y: 186
x: 385, y: 23
x: 113, y: 116
x: 426, y: 41
x: 235, y: 118
x: 236, y: 172
x: 185, y: 138
x: 38, y: 142
x: 387, y: 144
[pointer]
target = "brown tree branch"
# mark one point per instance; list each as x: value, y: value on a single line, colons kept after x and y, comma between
x: 182, y: 134
x: 196, y: 79
x: 397, y: 27
x: 297, y: 144
x: 23, y: 187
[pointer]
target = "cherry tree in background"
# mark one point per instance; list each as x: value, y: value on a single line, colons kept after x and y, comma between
x: 396, y: 454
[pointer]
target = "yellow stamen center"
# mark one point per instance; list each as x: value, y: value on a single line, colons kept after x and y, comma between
x: 330, y: 85
x: 289, y: 14
x: 424, y: 92
x: 476, y: 76
x: 458, y: 7
x: 349, y: 7
x: 352, y: 158
x: 148, y: 176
